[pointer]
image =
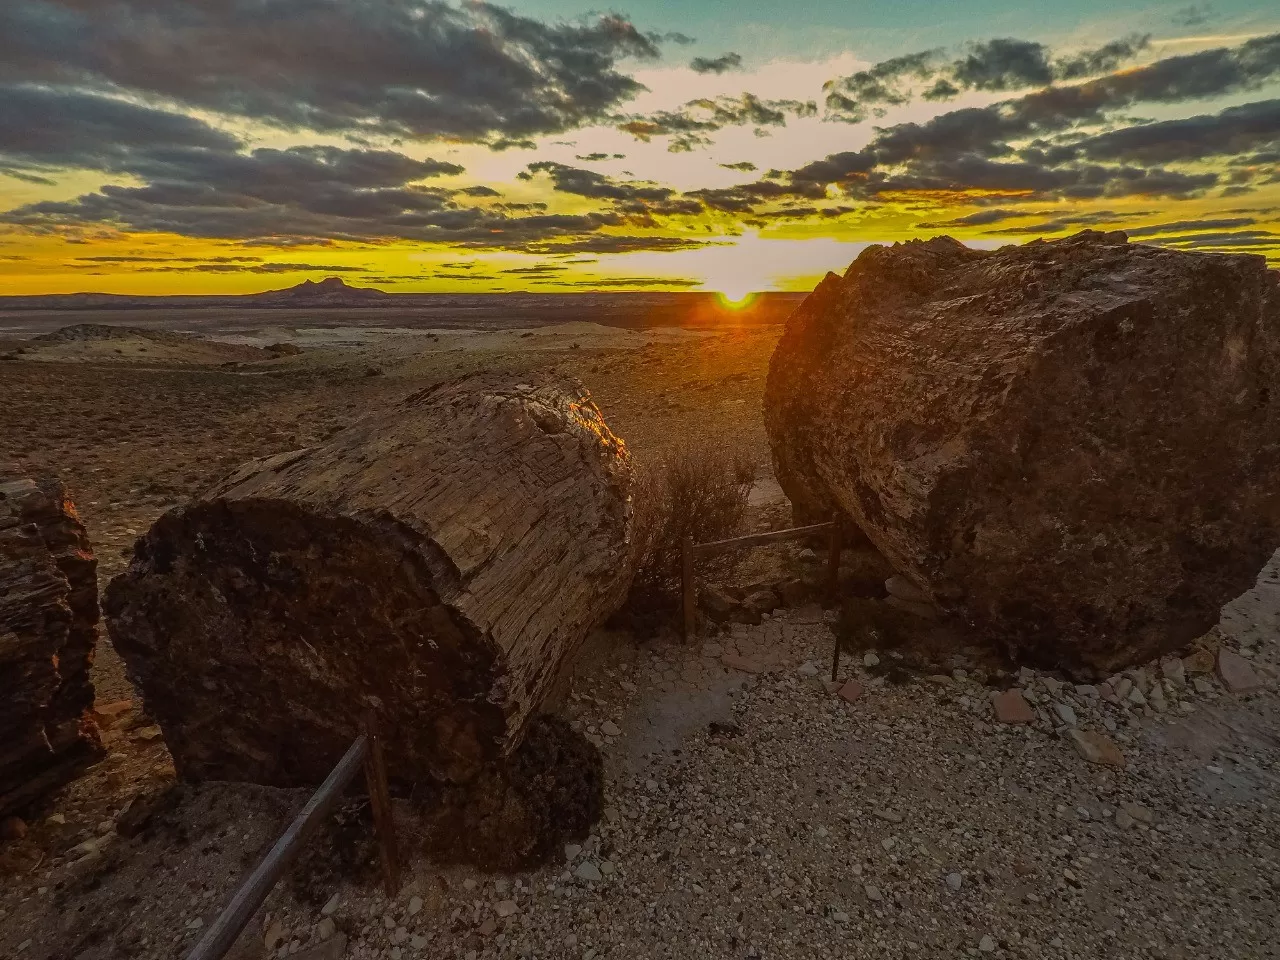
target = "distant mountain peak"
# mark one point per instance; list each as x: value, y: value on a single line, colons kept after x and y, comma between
x: 330, y: 289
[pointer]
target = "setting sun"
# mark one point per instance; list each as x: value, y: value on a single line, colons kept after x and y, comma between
x: 736, y: 299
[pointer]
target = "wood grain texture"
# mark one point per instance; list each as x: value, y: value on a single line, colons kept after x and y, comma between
x: 438, y: 561
x: 48, y: 631
x: 1075, y: 445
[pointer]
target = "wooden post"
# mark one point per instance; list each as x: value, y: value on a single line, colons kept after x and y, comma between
x: 833, y: 586
x: 833, y: 560
x: 375, y: 773
x: 688, y: 589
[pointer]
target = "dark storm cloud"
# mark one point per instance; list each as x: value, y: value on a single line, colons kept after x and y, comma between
x: 1188, y: 226
x: 1238, y: 240
x: 623, y: 283
x: 302, y: 192
x: 691, y: 125
x: 721, y: 64
x: 1104, y: 59
x: 43, y: 128
x: 154, y: 259
x: 880, y: 85
x: 1234, y: 131
x: 1003, y: 64
x: 607, y: 243
x: 984, y: 218
x: 259, y: 268
x: 422, y: 68
x: 745, y: 166
x: 957, y: 150
x: 588, y: 183
x: 540, y: 268
x: 1097, y: 218
x: 993, y: 65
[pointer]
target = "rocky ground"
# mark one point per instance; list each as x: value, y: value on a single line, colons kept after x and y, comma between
x: 753, y: 807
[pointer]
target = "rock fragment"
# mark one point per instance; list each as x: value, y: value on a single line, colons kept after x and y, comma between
x: 1237, y: 673
x: 1012, y: 707
x: 1096, y: 748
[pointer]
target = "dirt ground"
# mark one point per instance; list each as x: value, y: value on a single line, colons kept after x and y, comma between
x: 751, y: 811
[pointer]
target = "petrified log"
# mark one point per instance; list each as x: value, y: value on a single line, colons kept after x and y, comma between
x: 436, y: 562
x: 48, y: 629
x: 1075, y: 444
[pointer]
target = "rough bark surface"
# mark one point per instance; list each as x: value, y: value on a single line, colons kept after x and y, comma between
x: 48, y: 630
x: 1074, y: 444
x: 437, y: 562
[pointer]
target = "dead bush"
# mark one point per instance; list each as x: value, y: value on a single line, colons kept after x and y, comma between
x: 698, y: 492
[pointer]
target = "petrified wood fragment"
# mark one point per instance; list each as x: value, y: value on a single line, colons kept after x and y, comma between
x: 48, y: 630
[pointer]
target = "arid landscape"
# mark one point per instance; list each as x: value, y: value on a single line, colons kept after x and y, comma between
x: 522, y: 480
x: 751, y: 807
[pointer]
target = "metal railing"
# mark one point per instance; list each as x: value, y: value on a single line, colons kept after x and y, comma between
x: 691, y: 551
x: 365, y: 753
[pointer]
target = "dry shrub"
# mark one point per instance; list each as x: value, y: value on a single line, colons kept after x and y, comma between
x: 700, y: 492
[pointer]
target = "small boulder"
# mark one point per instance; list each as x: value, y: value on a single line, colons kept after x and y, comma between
x: 925, y: 611
x: 902, y: 588
x: 1236, y: 672
x: 745, y: 664
x: 761, y: 601
x: 1012, y: 707
x: 793, y: 593
x: 12, y: 829
x: 1096, y: 748
x: 716, y: 603
x: 851, y: 691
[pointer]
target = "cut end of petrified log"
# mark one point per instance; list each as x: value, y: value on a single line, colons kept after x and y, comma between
x: 48, y: 631
x: 437, y: 562
x: 1073, y: 444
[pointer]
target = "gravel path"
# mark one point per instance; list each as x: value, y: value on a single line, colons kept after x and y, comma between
x: 763, y: 815
x: 756, y: 810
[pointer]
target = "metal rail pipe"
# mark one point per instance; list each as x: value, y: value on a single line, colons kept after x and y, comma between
x: 366, y: 752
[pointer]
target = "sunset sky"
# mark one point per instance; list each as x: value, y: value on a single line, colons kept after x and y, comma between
x: 226, y: 146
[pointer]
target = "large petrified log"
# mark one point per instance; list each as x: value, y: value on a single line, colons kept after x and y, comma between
x: 436, y: 562
x: 1074, y: 444
x: 48, y: 629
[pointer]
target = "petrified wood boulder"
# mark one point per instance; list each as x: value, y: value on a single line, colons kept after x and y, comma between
x: 48, y: 629
x: 1075, y: 444
x: 437, y: 562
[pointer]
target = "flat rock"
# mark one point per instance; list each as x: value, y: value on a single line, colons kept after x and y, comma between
x: 1012, y: 707
x: 902, y: 588
x: 745, y: 664
x: 1066, y: 713
x: 851, y: 691
x: 1199, y: 663
x: 1237, y: 673
x: 588, y: 871
x: 1096, y: 748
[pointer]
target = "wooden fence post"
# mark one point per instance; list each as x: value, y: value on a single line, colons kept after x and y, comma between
x: 833, y: 560
x: 375, y: 772
x: 687, y: 589
x: 833, y: 586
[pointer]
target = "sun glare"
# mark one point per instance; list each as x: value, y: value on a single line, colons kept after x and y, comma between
x: 736, y: 299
